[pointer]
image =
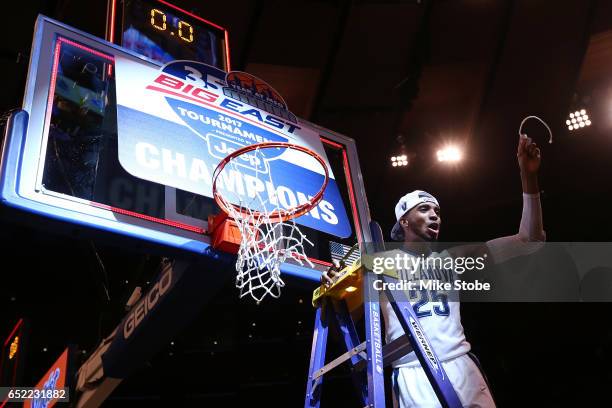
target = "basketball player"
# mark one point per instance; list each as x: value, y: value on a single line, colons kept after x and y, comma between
x: 418, y: 225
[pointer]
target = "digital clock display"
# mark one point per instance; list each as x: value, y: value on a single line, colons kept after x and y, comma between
x: 164, y: 33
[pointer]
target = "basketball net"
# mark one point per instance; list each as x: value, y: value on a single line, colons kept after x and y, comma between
x: 269, y: 235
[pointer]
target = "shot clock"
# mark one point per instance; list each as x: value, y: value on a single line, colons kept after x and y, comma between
x: 184, y: 29
x: 163, y: 32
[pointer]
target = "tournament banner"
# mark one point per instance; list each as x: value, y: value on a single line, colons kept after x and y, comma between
x: 175, y: 124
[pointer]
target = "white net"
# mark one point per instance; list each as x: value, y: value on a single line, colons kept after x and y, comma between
x: 266, y: 242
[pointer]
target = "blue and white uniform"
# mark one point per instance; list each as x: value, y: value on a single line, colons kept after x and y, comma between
x: 440, y: 318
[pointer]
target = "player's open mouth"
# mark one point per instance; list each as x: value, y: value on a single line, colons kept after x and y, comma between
x: 434, y: 227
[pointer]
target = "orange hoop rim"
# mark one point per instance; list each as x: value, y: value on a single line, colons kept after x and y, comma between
x: 278, y: 215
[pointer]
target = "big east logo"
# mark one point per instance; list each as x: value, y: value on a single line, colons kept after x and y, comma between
x: 206, y: 85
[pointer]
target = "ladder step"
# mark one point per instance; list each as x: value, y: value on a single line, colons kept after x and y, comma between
x: 396, y: 349
x: 340, y: 359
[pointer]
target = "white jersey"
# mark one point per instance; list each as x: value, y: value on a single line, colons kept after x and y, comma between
x: 439, y: 316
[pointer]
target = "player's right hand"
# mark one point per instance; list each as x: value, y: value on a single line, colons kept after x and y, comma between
x: 529, y: 155
x: 327, y: 277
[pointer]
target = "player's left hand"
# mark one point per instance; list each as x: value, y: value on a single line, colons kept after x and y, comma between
x: 528, y: 155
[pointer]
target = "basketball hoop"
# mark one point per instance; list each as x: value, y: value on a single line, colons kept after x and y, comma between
x: 267, y: 231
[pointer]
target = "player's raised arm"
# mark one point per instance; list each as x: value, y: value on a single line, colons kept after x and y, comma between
x: 531, y: 226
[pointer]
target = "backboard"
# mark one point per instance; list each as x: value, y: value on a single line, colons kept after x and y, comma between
x: 68, y: 165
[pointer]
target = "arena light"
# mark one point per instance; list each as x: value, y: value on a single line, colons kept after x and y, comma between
x: 399, y: 161
x: 450, y: 154
x: 578, y: 119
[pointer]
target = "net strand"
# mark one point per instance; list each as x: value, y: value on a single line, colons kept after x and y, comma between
x: 520, y: 131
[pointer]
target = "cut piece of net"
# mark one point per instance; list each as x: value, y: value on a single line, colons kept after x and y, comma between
x: 265, y: 244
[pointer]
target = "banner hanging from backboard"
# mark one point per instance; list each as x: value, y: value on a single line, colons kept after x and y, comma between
x: 177, y: 123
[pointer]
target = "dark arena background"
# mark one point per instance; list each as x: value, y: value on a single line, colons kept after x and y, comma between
x: 400, y: 78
